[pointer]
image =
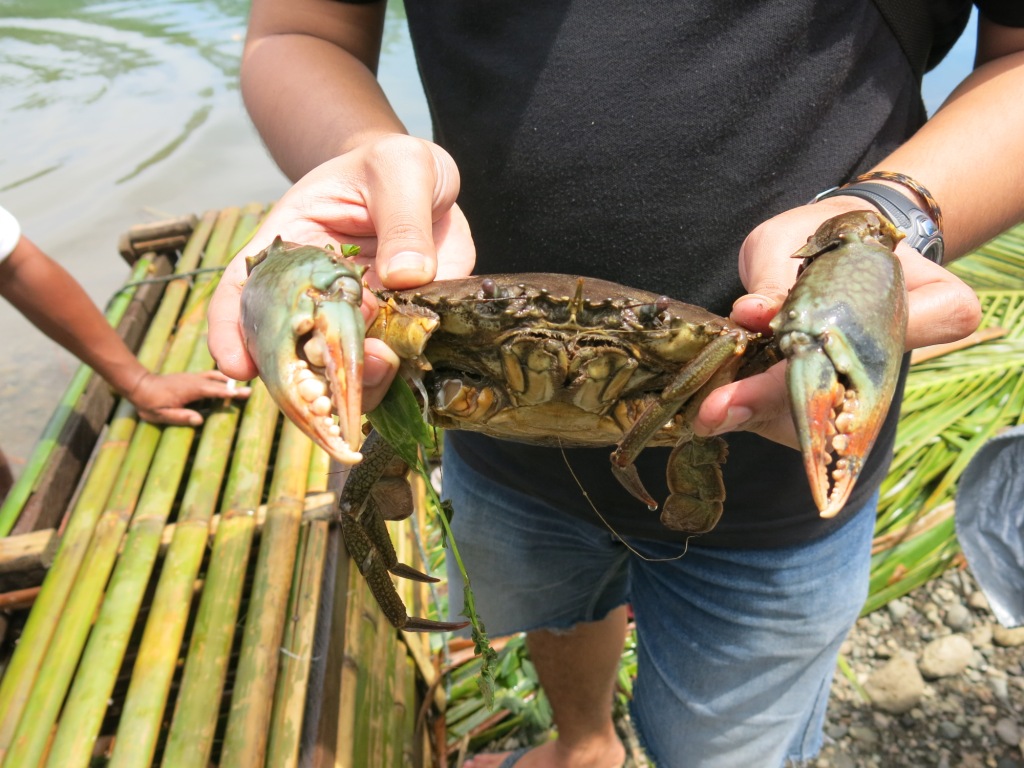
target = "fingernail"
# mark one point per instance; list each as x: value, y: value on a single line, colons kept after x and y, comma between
x: 764, y: 301
x: 735, y: 417
x: 406, y: 261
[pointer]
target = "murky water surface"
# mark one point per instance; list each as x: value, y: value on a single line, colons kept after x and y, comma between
x: 123, y: 112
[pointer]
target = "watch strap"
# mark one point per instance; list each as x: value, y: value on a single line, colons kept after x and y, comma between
x: 921, y: 230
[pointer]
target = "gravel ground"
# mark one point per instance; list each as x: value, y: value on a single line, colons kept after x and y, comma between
x: 946, y: 684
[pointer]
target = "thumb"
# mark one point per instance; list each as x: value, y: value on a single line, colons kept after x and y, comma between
x: 411, y: 185
x: 767, y: 270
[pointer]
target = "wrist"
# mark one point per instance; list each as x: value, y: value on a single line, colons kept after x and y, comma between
x: 907, y: 204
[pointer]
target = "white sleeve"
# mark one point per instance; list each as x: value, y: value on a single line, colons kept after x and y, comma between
x: 10, y: 233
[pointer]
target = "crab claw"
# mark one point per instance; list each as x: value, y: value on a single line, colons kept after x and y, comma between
x: 304, y: 330
x: 842, y: 329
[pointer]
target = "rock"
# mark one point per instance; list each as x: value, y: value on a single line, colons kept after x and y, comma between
x: 898, y: 610
x: 946, y: 656
x: 1008, y: 638
x: 981, y: 635
x: 897, y: 686
x: 863, y: 734
x: 978, y: 601
x: 958, y: 618
x: 1008, y: 731
x: 948, y: 730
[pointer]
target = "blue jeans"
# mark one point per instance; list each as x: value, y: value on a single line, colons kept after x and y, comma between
x: 736, y: 648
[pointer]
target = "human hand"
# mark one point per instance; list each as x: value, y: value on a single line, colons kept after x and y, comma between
x: 160, y: 398
x: 941, y: 308
x: 394, y: 197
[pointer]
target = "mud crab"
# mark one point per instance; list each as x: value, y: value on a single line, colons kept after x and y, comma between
x: 570, y: 361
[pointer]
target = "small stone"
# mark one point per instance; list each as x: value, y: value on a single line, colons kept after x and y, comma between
x: 1000, y: 688
x: 981, y: 635
x: 948, y: 730
x: 958, y: 618
x: 896, y: 686
x: 836, y: 730
x: 978, y: 601
x: 863, y: 734
x: 1008, y: 638
x: 1008, y: 731
x: 946, y: 656
x: 898, y: 610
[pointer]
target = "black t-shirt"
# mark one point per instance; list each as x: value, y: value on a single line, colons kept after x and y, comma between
x: 640, y: 143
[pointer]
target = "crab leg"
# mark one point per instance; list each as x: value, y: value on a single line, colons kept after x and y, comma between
x: 368, y: 542
x: 703, y: 368
x: 842, y: 329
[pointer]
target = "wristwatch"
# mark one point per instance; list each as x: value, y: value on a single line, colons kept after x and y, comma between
x: 922, y: 233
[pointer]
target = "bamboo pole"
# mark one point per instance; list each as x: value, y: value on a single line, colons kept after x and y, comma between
x: 48, y: 441
x: 149, y: 688
x: 350, y: 677
x: 190, y: 739
x: 132, y: 574
x: 246, y: 737
x: 36, y: 550
x: 156, y: 662
x: 110, y: 470
x: 297, y: 647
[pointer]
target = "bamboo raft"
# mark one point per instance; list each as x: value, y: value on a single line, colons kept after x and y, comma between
x: 174, y: 596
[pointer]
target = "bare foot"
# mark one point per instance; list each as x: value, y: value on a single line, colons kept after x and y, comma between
x: 602, y: 754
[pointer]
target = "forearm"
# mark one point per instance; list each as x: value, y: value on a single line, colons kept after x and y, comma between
x: 970, y: 153
x: 49, y: 297
x: 308, y: 80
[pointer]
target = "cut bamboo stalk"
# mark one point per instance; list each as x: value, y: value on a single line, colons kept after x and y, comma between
x: 132, y: 575
x: 292, y: 679
x: 246, y: 737
x: 110, y: 470
x: 190, y: 740
x: 155, y: 664
x: 288, y: 712
x: 146, y: 699
x: 26, y: 482
x: 36, y: 551
x: 367, y: 629
x: 354, y: 593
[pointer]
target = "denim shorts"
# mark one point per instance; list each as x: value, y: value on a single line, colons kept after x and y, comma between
x: 736, y: 647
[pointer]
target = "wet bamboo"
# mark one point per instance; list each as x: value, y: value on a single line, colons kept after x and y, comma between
x: 158, y: 652
x: 297, y: 646
x: 107, y: 470
x: 195, y: 717
x: 246, y: 737
x: 63, y: 655
x: 146, y: 699
x: 26, y: 482
x: 351, y: 670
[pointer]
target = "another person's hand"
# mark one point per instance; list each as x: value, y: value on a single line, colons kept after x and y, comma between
x: 161, y: 398
x: 942, y: 308
x: 394, y: 197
